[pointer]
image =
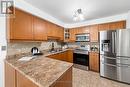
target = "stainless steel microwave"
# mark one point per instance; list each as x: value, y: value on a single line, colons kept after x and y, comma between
x: 83, y: 37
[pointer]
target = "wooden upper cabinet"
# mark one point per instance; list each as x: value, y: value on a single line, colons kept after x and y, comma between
x: 50, y: 29
x: 39, y: 29
x: 54, y: 31
x: 22, y: 26
x: 94, y: 61
x: 112, y: 26
x: 72, y: 35
x: 61, y: 33
x: 117, y: 25
x: 25, y: 26
x: 103, y: 27
x: 86, y: 29
x: 82, y: 30
x: 94, y: 33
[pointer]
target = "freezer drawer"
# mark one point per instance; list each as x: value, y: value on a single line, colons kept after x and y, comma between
x: 108, y: 70
x: 119, y: 72
x: 115, y: 60
x: 124, y: 73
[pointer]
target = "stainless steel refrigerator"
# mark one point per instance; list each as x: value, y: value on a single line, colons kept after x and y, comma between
x: 115, y: 55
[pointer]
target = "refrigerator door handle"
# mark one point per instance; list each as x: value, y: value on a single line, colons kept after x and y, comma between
x: 113, y: 42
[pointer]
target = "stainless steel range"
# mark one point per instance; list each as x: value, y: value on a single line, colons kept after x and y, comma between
x: 81, y: 58
x: 115, y: 55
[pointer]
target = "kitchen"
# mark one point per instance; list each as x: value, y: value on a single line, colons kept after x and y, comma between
x: 45, y: 52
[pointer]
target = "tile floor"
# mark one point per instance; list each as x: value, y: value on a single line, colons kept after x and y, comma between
x: 82, y: 78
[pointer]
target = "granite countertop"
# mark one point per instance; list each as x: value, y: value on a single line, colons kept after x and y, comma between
x: 41, y: 70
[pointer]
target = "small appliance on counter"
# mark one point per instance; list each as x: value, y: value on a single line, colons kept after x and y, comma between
x: 35, y: 51
x: 94, y: 48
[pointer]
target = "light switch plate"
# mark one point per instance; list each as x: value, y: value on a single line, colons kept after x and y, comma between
x: 3, y: 48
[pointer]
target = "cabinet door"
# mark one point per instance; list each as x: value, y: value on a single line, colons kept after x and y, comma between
x: 117, y: 25
x: 70, y: 56
x: 78, y: 30
x: 39, y: 29
x: 9, y: 76
x: 86, y: 29
x: 65, y: 80
x: 72, y: 35
x: 22, y: 26
x: 54, y: 56
x: 54, y: 31
x: 22, y: 81
x: 94, y: 33
x: 94, y: 61
x: 61, y: 33
x: 50, y: 29
x: 103, y: 27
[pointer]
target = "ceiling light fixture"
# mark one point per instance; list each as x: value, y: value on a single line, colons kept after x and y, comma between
x: 78, y: 15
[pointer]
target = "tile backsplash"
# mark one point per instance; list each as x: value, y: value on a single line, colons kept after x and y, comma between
x: 24, y: 47
x: 94, y: 45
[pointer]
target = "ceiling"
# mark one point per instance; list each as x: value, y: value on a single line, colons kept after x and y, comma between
x: 63, y: 10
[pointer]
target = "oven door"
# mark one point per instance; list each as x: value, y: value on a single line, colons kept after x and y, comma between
x: 81, y: 59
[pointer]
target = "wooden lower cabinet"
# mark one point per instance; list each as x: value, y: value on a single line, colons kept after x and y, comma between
x: 22, y: 81
x: 65, y: 80
x: 70, y: 56
x: 94, y: 61
x: 9, y: 76
x: 64, y: 56
x: 14, y: 78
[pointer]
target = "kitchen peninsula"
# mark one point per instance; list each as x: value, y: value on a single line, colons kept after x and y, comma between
x: 41, y: 71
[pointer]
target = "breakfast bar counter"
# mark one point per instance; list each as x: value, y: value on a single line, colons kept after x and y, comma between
x: 41, y: 70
